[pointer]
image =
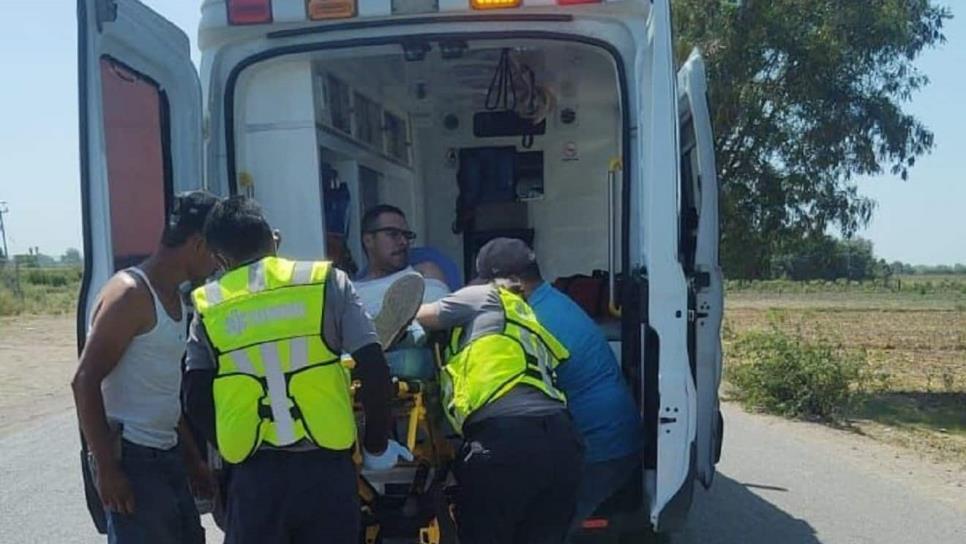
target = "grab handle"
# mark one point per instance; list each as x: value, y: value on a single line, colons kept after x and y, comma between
x: 613, y: 180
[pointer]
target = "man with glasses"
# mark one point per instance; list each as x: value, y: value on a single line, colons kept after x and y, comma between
x: 386, y: 239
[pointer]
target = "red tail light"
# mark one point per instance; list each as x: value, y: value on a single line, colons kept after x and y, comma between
x: 594, y: 523
x: 249, y: 12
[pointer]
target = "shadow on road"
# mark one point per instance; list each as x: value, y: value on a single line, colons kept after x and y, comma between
x: 730, y: 513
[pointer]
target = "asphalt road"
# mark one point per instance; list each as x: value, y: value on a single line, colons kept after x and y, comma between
x: 778, y: 482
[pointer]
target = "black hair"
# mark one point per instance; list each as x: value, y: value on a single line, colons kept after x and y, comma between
x: 187, y: 217
x: 372, y: 215
x: 237, y: 229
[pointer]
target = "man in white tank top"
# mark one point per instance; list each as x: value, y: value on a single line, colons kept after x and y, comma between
x: 128, y: 383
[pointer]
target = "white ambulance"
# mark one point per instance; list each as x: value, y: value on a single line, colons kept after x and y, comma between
x: 564, y: 122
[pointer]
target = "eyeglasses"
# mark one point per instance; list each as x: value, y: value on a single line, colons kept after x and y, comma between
x: 395, y: 233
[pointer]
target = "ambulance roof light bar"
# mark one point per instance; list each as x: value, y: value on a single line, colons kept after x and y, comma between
x: 503, y: 4
x: 254, y: 12
x: 331, y: 9
x: 495, y: 4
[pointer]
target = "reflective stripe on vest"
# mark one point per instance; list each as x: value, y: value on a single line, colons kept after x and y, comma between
x: 488, y: 367
x: 277, y: 382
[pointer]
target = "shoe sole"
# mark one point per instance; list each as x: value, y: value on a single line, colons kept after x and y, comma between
x: 399, y: 306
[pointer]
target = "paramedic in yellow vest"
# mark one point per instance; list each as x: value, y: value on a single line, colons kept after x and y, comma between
x: 265, y: 384
x: 519, y: 466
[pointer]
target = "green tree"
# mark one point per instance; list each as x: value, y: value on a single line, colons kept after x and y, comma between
x: 857, y: 258
x: 824, y: 257
x: 71, y: 257
x: 899, y: 267
x: 805, y: 95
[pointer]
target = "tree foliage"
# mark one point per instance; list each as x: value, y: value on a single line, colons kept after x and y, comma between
x: 71, y: 257
x: 826, y: 258
x: 805, y: 95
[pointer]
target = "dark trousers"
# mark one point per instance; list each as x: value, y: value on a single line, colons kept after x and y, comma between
x: 284, y: 497
x: 601, y: 480
x: 518, y: 479
x: 164, y: 510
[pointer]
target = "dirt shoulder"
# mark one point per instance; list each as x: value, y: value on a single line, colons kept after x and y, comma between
x: 38, y: 355
x: 915, y: 344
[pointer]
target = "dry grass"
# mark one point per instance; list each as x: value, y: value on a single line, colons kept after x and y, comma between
x: 38, y: 291
x: 917, y: 342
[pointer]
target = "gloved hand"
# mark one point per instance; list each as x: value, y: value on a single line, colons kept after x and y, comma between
x: 387, y: 459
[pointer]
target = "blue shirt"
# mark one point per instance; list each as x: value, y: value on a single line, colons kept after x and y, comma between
x: 598, y: 398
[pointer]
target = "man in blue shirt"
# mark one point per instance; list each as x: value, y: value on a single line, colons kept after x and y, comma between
x: 598, y: 398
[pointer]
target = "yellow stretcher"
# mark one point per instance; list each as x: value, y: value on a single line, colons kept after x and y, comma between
x: 409, y: 502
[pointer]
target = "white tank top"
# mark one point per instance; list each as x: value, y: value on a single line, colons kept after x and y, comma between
x: 142, y: 393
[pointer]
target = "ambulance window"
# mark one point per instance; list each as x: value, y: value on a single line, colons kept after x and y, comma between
x: 689, y: 195
x: 397, y: 137
x: 367, y: 120
x: 338, y: 94
x: 368, y: 188
x: 136, y: 141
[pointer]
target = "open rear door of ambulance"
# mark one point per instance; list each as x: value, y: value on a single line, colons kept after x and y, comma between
x: 699, y: 257
x: 140, y: 141
x: 667, y: 381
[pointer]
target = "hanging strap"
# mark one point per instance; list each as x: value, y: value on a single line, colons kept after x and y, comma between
x: 502, y: 91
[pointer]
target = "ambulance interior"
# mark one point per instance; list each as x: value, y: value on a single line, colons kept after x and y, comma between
x: 471, y: 139
x: 322, y: 136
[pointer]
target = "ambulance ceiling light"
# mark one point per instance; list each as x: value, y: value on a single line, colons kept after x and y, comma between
x: 452, y: 49
x: 415, y: 51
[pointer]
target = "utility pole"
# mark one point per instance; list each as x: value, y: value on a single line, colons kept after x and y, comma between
x: 3, y: 231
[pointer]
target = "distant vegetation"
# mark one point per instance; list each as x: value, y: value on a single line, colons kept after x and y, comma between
x: 39, y: 290
x: 35, y: 283
x: 916, y: 284
x: 828, y: 258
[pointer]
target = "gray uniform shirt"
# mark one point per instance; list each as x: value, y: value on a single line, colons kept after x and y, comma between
x: 478, y: 310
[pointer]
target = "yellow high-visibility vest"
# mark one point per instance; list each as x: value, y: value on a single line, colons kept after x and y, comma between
x: 277, y: 382
x: 490, y: 366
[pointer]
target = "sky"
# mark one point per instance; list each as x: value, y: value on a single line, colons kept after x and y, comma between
x: 919, y: 221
